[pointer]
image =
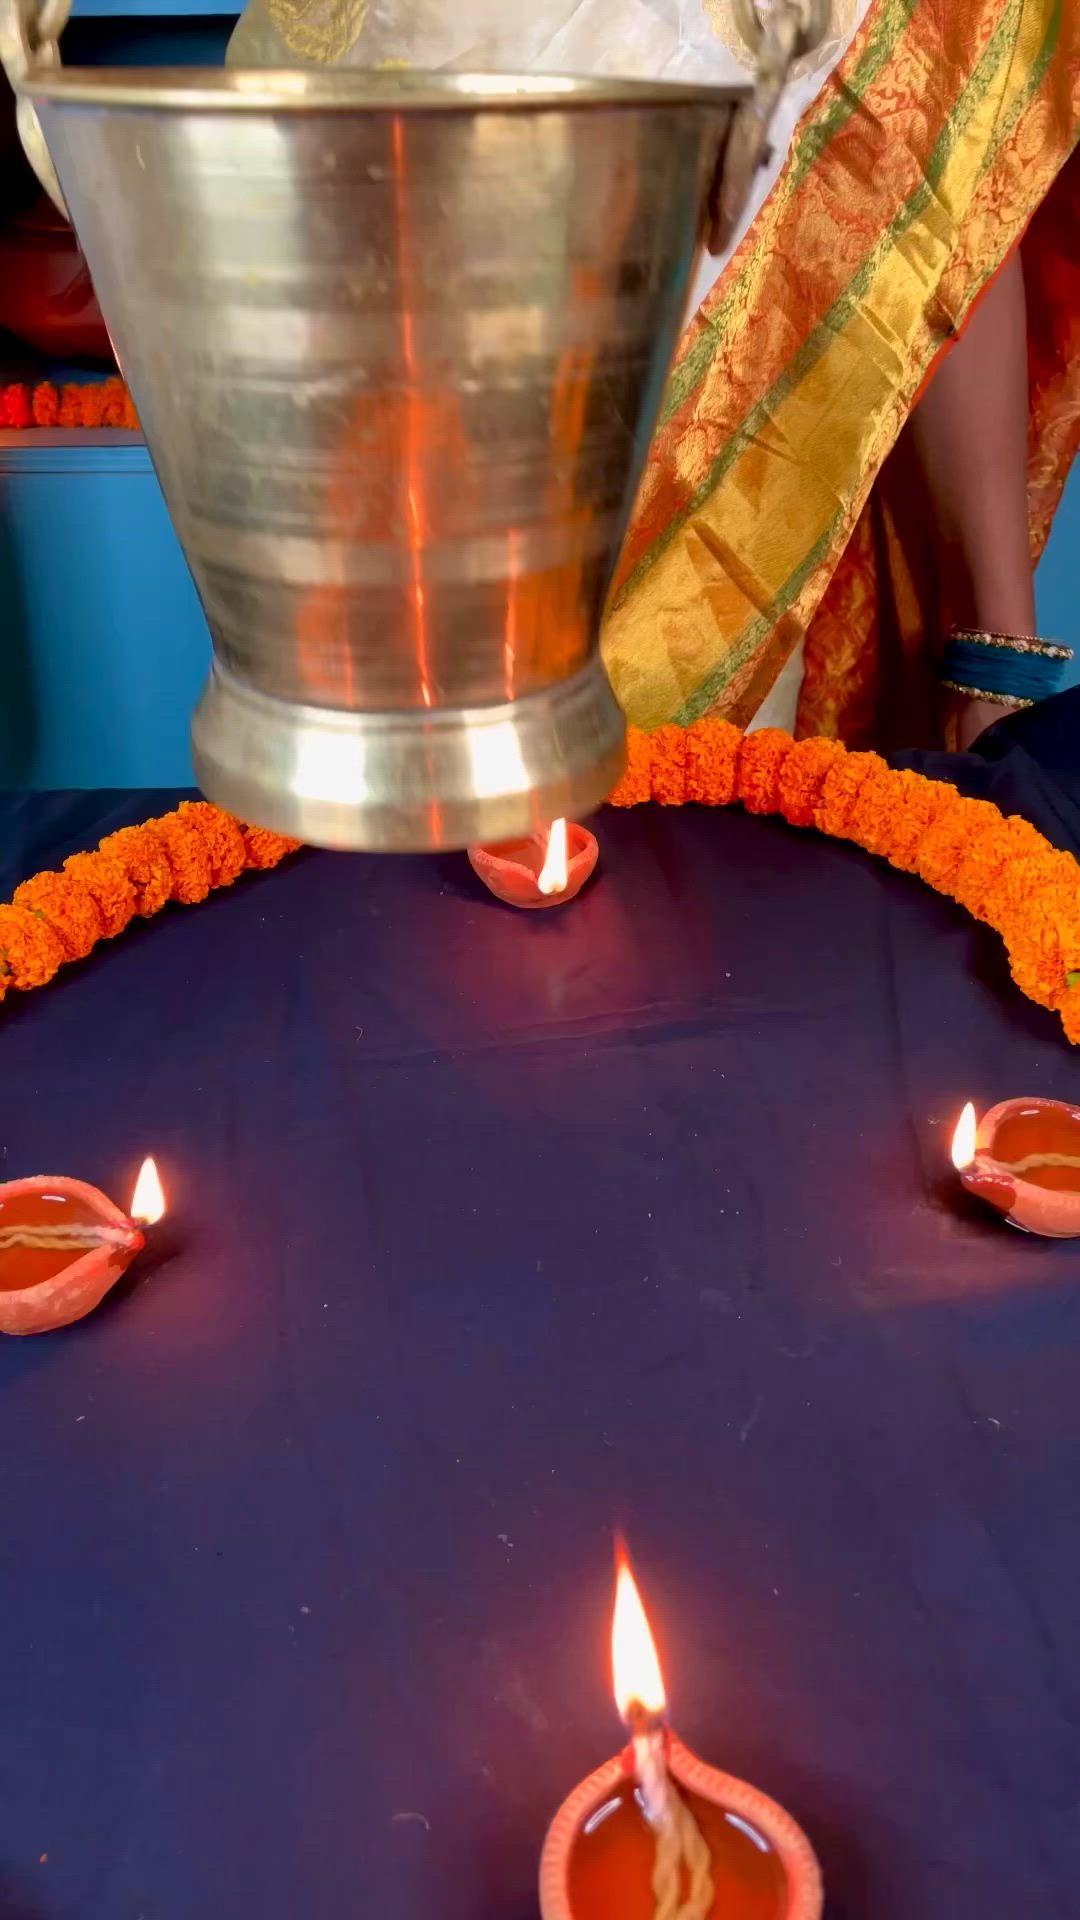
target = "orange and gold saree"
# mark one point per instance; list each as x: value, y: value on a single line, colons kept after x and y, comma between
x: 943, y: 139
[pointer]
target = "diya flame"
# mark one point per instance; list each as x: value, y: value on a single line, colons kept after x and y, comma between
x: 556, y: 868
x: 148, y: 1199
x: 963, y: 1146
x: 635, y: 1664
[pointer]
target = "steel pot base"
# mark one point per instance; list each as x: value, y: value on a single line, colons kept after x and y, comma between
x: 409, y: 782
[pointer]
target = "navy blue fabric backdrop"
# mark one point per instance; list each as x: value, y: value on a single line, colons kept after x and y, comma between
x: 491, y: 1232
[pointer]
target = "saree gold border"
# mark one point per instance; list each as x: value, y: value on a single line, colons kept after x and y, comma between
x: 888, y: 51
x: 756, y: 548
x: 868, y: 58
x: 1035, y: 130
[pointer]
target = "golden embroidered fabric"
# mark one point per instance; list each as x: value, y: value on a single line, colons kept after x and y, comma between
x: 647, y: 39
x: 322, y: 31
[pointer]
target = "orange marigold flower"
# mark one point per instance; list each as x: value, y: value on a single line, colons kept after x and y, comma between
x: 1035, y: 907
x: 873, y: 821
x: 93, y: 406
x: 1032, y: 881
x: 993, y: 845
x: 840, y: 792
x: 977, y: 874
x: 144, y: 859
x: 46, y: 404
x: 1019, y: 837
x: 70, y: 406
x: 192, y: 875
x: 712, y: 761
x: 1035, y: 963
x: 635, y: 785
x: 222, y: 838
x: 112, y: 408
x: 72, y: 913
x: 918, y: 804
x: 15, y: 407
x: 802, y: 776
x: 30, y: 952
x: 761, y: 761
x: 105, y: 880
x: 956, y: 846
x: 265, y: 849
x: 667, y: 775
x: 942, y: 848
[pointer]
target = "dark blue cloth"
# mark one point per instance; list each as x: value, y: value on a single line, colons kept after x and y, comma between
x: 491, y: 1231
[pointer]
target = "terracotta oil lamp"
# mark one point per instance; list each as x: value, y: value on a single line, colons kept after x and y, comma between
x: 541, y: 870
x: 64, y: 1245
x: 1023, y: 1158
x: 656, y: 1831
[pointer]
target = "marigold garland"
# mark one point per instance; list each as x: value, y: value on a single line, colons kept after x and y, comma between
x: 1000, y: 868
x: 99, y: 403
x: 55, y: 917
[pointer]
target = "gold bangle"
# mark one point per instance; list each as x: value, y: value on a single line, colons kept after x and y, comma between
x: 1014, y: 642
x: 995, y: 699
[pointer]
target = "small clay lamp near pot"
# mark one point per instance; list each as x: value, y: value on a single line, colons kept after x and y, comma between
x: 542, y: 870
x: 63, y: 1245
x: 1023, y: 1158
x: 657, y: 1832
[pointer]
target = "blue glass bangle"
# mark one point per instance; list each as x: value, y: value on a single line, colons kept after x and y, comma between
x: 1005, y: 668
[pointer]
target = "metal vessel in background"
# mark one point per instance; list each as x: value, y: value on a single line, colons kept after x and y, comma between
x: 397, y: 344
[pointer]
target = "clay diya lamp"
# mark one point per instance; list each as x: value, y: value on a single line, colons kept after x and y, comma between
x: 64, y: 1245
x: 1023, y: 1158
x: 542, y: 870
x: 656, y: 1831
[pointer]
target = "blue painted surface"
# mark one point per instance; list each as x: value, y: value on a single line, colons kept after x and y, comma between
x: 103, y: 644
x: 1059, y: 577
x: 142, y: 10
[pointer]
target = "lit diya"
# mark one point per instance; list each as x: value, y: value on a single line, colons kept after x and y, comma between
x: 1023, y: 1158
x: 540, y: 870
x: 63, y: 1245
x: 658, y: 1835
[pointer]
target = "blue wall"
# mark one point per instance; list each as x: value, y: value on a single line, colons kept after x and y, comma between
x: 1059, y: 575
x: 103, y: 645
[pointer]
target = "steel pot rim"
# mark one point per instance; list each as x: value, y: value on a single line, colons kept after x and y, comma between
x: 238, y: 90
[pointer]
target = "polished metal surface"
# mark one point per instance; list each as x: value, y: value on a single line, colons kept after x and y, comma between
x: 435, y: 778
x: 397, y: 344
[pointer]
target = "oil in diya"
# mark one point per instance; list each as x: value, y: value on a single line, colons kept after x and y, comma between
x: 658, y: 1835
x: 64, y: 1245
x: 1023, y: 1159
x: 538, y: 870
